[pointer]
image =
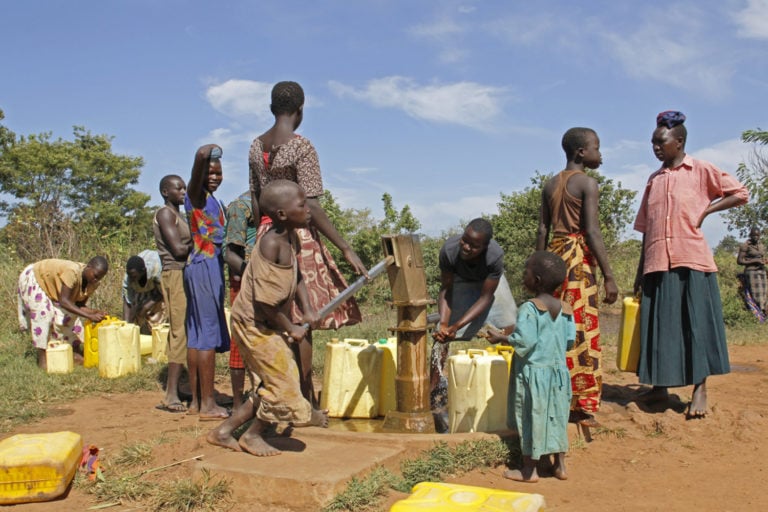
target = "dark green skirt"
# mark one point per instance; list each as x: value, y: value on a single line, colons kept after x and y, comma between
x: 682, y: 335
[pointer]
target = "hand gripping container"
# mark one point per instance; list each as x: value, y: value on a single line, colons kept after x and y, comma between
x: 387, y: 390
x: 467, y: 498
x: 628, y: 349
x: 351, y: 379
x: 119, y: 350
x: 160, y: 342
x: 477, y: 392
x: 91, y: 340
x: 59, y: 357
x: 38, y: 467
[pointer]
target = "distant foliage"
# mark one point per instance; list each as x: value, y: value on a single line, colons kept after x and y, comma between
x: 735, y: 312
x: 754, y: 175
x: 62, y: 196
x: 72, y: 200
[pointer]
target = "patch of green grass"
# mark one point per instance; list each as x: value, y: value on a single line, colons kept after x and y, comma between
x: 363, y: 494
x: 119, y: 488
x: 208, y: 494
x: 134, y: 455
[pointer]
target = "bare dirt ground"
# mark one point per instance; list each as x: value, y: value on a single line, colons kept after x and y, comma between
x: 641, y: 460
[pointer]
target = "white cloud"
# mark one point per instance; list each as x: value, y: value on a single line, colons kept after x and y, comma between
x: 463, y: 103
x: 438, y: 30
x: 753, y: 19
x: 521, y: 29
x: 726, y: 155
x: 446, y: 32
x: 673, y: 47
x: 241, y: 98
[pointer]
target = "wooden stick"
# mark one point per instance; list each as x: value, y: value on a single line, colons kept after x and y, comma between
x: 196, y: 457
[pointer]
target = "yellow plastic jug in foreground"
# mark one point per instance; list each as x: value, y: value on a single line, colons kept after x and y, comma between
x: 628, y: 350
x: 351, y: 379
x: 38, y: 467
x: 477, y: 392
x: 466, y: 498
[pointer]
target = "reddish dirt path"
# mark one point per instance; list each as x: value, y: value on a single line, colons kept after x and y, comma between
x: 644, y: 460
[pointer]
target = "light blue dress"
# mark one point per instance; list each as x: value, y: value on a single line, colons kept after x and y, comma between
x: 540, y: 385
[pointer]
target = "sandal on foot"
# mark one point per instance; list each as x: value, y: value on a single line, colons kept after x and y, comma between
x: 173, y: 407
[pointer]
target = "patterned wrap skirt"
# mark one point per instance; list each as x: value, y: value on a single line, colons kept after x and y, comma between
x: 581, y: 292
x: 44, y: 318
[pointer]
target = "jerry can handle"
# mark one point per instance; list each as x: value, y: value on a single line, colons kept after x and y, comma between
x: 472, y: 352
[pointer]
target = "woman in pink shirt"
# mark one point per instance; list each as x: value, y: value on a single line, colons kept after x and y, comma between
x: 682, y: 332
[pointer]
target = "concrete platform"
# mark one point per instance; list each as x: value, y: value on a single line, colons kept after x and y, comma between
x: 317, y: 464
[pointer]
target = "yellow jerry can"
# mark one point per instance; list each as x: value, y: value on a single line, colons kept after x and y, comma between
x: 38, y: 467
x: 467, y: 498
x: 119, y: 350
x: 91, y: 340
x: 628, y: 349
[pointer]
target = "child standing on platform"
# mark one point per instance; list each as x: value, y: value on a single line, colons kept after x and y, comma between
x: 263, y: 329
x: 539, y: 385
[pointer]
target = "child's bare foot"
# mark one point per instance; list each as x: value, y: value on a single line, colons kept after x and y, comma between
x: 319, y: 418
x: 256, y: 445
x: 698, y: 406
x: 215, y: 437
x: 559, y: 467
x: 521, y: 475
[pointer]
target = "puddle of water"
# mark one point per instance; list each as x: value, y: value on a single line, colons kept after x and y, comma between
x: 368, y: 425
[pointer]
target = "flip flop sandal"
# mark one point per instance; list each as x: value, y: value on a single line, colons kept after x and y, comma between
x: 173, y: 407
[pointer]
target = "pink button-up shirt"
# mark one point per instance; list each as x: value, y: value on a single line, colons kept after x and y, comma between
x: 672, y: 204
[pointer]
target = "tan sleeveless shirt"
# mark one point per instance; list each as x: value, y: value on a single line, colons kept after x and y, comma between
x: 564, y: 208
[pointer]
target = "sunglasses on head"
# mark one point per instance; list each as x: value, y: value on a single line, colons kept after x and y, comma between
x: 216, y: 153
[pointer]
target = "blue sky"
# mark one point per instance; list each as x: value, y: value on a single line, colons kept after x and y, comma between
x: 443, y: 104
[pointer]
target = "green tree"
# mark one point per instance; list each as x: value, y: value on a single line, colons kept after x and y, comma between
x: 60, y: 193
x: 754, y: 175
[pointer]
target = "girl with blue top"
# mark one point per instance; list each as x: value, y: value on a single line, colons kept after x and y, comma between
x: 540, y: 383
x: 204, y: 282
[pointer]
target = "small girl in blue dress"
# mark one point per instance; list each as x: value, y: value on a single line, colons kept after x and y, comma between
x: 540, y: 384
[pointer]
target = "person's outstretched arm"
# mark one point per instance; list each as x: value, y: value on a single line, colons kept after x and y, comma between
x: 594, y: 238
x: 323, y: 224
